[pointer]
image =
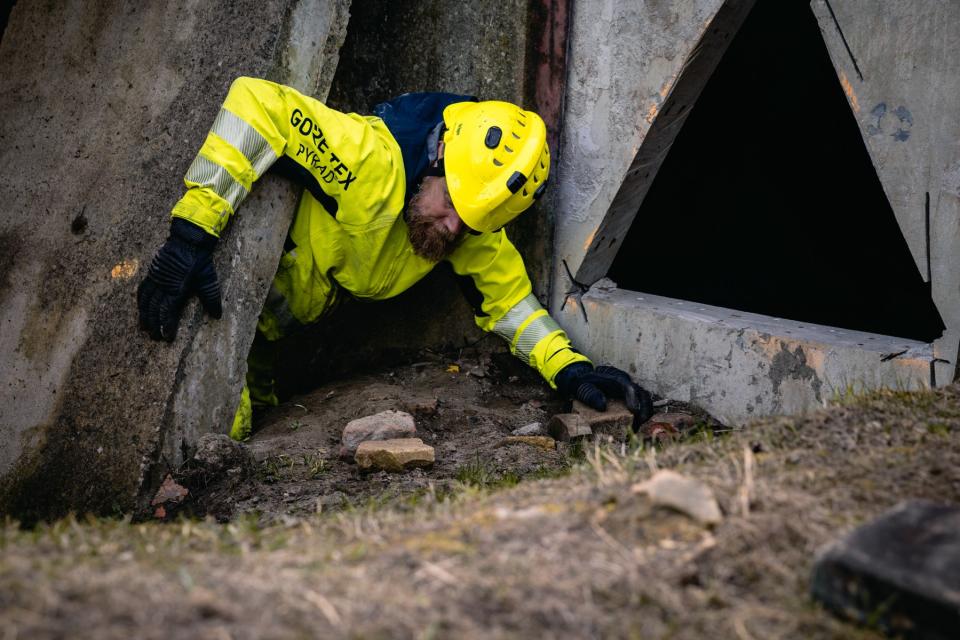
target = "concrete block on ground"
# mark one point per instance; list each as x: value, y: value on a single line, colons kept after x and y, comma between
x: 900, y: 572
x: 616, y: 421
x: 103, y: 107
x: 386, y: 425
x: 568, y: 427
x: 541, y: 442
x: 689, y: 496
x: 394, y: 455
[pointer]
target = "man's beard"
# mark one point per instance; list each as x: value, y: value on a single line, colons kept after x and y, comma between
x: 430, y: 239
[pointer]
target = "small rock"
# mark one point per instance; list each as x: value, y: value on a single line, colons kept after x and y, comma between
x: 218, y: 452
x: 386, y: 425
x: 541, y: 442
x: 567, y: 427
x: 394, y: 455
x: 670, y: 489
x: 900, y: 573
x: 616, y: 421
x: 169, y: 493
x: 664, y: 427
x: 532, y: 429
x: 421, y: 406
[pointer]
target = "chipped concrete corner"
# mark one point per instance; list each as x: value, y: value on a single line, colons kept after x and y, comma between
x: 125, y: 95
x: 734, y: 364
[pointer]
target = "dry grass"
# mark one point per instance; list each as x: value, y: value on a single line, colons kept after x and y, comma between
x: 577, y: 556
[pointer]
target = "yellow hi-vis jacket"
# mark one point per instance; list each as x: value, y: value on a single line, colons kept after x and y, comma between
x: 352, y: 233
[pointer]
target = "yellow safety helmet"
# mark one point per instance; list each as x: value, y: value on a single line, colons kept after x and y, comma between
x: 496, y: 161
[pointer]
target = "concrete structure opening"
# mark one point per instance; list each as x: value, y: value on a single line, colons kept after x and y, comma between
x: 762, y: 161
x: 768, y: 201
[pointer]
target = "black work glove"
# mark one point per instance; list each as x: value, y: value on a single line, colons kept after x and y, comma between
x: 182, y: 267
x: 592, y: 387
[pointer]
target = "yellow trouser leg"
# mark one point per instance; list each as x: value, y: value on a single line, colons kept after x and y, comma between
x: 243, y: 419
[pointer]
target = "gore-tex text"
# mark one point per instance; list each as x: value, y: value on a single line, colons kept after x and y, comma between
x: 320, y: 158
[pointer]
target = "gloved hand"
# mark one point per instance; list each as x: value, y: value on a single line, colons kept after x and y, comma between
x: 182, y: 266
x: 592, y: 387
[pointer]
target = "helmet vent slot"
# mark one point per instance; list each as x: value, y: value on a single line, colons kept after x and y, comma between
x: 516, y: 181
x: 514, y: 135
x: 497, y: 162
x: 521, y: 123
x: 508, y: 149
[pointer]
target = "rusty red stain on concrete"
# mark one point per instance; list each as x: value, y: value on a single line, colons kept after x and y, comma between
x: 848, y: 89
x: 550, y: 19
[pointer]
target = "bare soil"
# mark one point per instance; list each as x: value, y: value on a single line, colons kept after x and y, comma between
x: 580, y: 555
x: 464, y: 406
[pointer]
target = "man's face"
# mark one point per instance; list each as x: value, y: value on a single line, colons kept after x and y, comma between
x: 434, y: 228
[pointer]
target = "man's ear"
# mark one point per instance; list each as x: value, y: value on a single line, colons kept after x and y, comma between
x: 440, y: 149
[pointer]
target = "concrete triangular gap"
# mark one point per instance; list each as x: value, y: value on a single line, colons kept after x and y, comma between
x: 768, y: 202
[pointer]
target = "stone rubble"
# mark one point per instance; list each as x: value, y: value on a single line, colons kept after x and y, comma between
x: 663, y: 427
x: 542, y: 442
x: 218, y: 453
x: 532, y: 429
x: 616, y: 421
x: 689, y: 496
x: 899, y: 573
x: 394, y: 455
x: 568, y: 427
x: 386, y: 425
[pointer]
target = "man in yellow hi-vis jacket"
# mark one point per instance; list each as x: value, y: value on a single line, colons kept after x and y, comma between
x: 429, y: 177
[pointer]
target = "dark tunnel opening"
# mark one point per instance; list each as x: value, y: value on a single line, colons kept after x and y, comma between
x: 768, y: 201
x: 6, y: 6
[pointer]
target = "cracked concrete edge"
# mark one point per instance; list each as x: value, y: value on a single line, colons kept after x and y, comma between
x: 737, y: 365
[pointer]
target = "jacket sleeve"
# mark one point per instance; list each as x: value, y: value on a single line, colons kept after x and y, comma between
x: 497, y: 284
x: 260, y: 123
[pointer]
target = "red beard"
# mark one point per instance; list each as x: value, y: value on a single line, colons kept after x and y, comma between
x: 430, y: 239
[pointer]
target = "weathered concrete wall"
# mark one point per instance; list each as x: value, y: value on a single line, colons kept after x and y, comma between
x: 734, y: 364
x: 898, y: 65
x: 104, y: 105
x: 488, y: 49
x: 634, y: 71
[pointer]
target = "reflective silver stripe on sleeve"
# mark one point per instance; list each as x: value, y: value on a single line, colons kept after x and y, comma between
x: 245, y: 139
x: 507, y: 326
x: 207, y: 174
x: 534, y: 333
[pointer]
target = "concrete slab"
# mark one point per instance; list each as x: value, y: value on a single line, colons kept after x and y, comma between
x: 734, y: 364
x: 899, y: 573
x: 104, y: 105
x: 897, y: 64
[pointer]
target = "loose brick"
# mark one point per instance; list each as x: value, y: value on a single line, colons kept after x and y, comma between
x: 567, y: 427
x: 616, y: 421
x: 386, y: 425
x: 394, y: 455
